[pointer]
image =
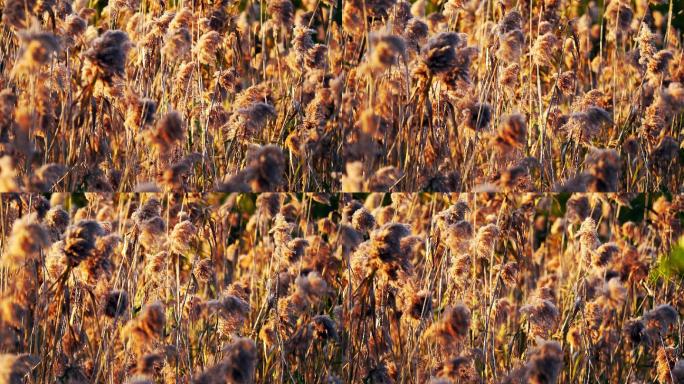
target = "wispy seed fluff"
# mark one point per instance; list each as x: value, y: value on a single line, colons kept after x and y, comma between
x: 460, y: 268
x: 635, y: 331
x: 175, y: 175
x: 207, y: 47
x: 309, y: 289
x: 27, y: 239
x: 266, y: 165
x: 612, y: 294
x: 268, y: 204
x: 18, y: 13
x: 678, y: 372
x: 311, y: 286
x: 205, y: 271
x: 79, y: 240
x: 116, y: 303
x: 510, y: 22
x: 619, y: 15
x: 14, y: 368
x: 458, y: 369
x: 143, y: 330
x: 566, y: 82
x: 302, y: 42
x: 388, y: 50
x: 664, y: 153
x: 416, y: 304
x: 56, y: 221
x: 155, y: 265
x: 363, y: 220
x: 353, y: 180
x: 476, y: 115
x: 282, y: 12
x: 352, y: 17
x: 294, y: 250
x: 545, y: 363
x: 658, y: 65
x: 141, y: 111
x: 248, y: 122
x: 485, y: 241
x: 384, y: 179
x: 510, y: 45
x: 458, y: 237
x: 386, y: 251
x: 169, y: 131
x: 512, y: 134
x: 38, y: 49
x: 8, y: 102
x: 588, y: 240
x: 315, y: 58
x: 415, y: 33
x: 264, y: 173
x: 452, y: 328
x: 74, y: 27
x: 543, y: 316
x: 46, y: 177
x: 604, y: 255
x: 439, y: 55
x: 237, y: 366
x: 108, y: 54
x: 661, y: 318
x: 604, y: 168
x: 149, y: 364
x: 577, y: 208
x: 177, y: 43
x: 646, y: 40
x: 324, y: 327
x: 509, y: 274
x: 545, y: 48
x: 501, y: 311
x: 231, y: 311
x: 584, y: 126
x: 452, y: 215
x: 509, y: 78
x: 148, y: 221
x: 182, y: 235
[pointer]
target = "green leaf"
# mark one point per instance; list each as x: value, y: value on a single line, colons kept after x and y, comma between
x: 673, y: 264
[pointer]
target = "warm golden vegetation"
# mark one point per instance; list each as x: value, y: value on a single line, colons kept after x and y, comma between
x: 400, y: 288
x: 352, y: 95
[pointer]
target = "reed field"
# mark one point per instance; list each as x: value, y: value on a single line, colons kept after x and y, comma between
x: 341, y: 95
x: 341, y: 288
x: 341, y: 191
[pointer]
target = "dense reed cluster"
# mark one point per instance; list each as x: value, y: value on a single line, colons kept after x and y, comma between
x: 353, y: 96
x: 341, y: 288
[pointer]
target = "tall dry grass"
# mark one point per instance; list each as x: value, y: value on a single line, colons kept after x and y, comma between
x: 341, y: 288
x: 341, y: 95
